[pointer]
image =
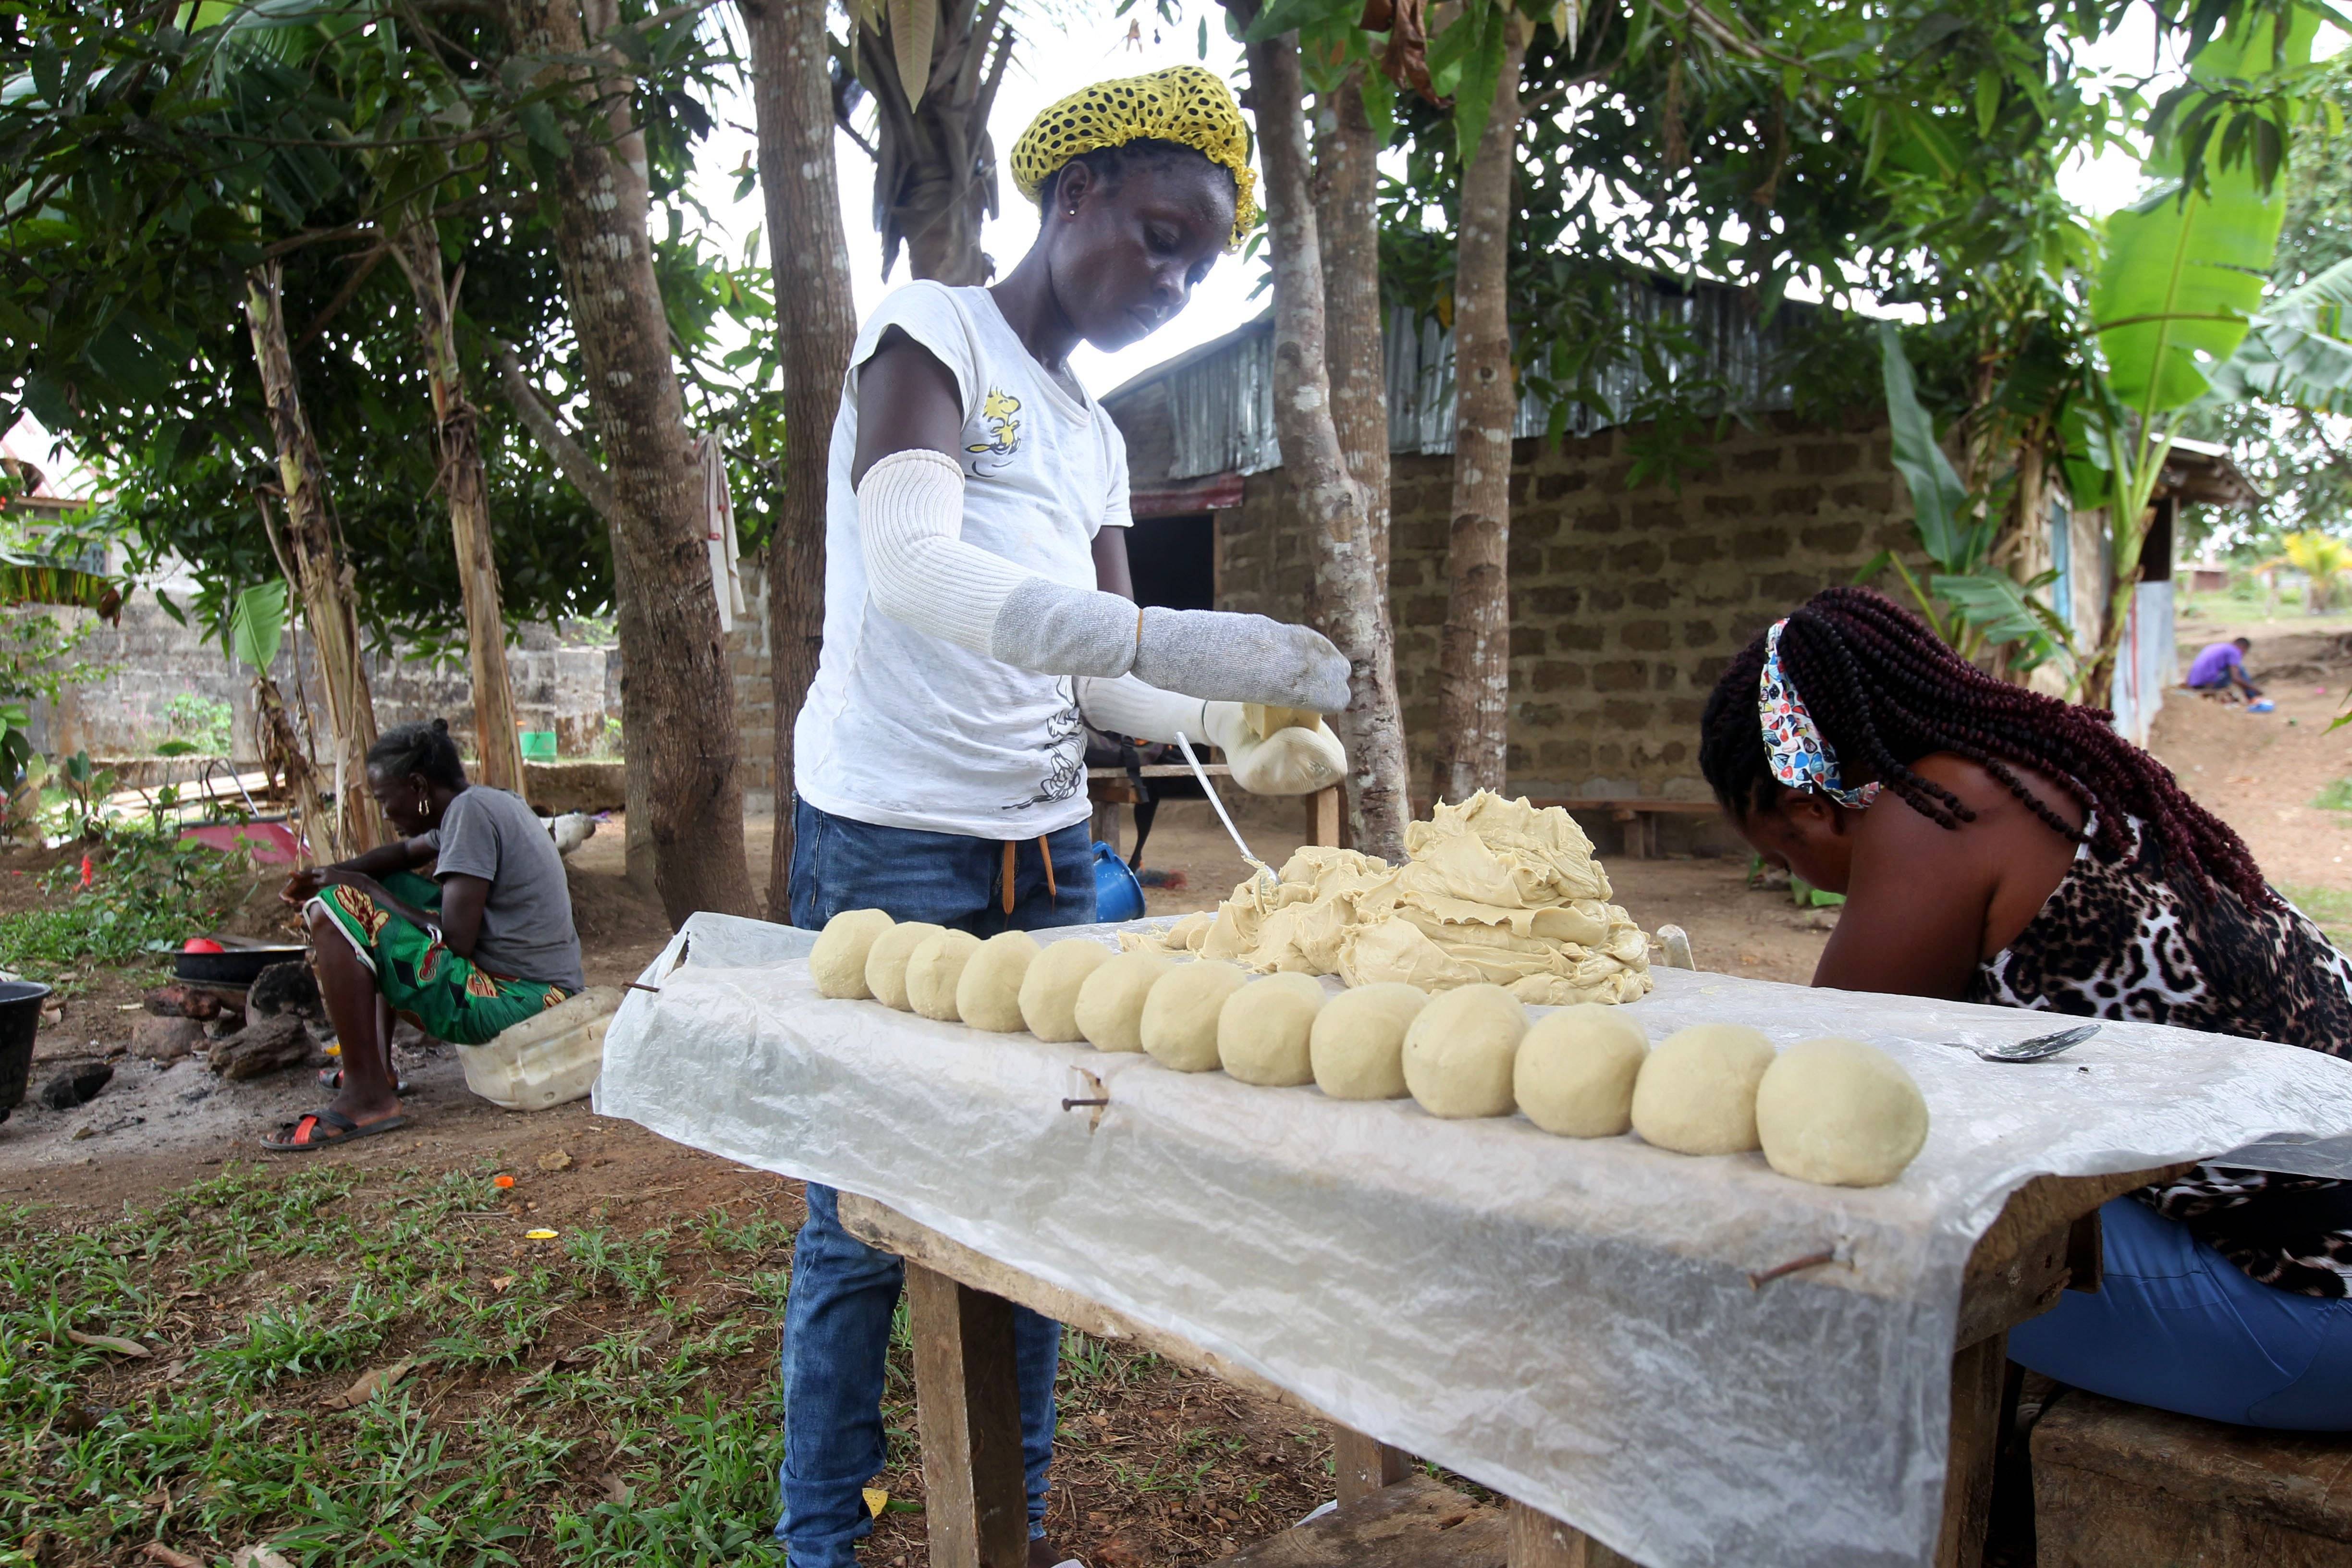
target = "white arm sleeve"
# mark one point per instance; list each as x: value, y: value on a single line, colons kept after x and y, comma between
x: 918, y: 570
x: 1129, y: 707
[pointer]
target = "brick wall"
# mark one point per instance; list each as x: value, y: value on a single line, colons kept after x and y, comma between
x: 1625, y: 604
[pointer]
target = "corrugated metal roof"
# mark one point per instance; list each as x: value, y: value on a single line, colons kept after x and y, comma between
x: 1219, y: 396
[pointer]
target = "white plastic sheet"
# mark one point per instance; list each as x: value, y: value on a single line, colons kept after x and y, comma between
x: 1569, y: 1321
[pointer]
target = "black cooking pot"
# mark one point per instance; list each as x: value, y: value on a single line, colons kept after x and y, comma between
x: 20, y: 1018
x: 237, y: 967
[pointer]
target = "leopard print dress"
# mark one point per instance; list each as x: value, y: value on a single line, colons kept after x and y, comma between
x: 2122, y: 938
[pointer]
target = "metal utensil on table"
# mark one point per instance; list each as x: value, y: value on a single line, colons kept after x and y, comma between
x: 2041, y: 1048
x: 1262, y: 869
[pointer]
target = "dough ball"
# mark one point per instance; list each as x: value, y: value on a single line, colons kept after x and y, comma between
x: 1358, y: 1044
x: 1180, y: 1016
x: 1575, y: 1071
x: 1263, y: 1027
x: 1840, y: 1113
x: 886, y: 961
x: 932, y: 971
x: 988, y: 994
x: 1696, y: 1094
x: 1049, y: 991
x: 1458, y: 1051
x: 1110, y: 1011
x: 837, y: 961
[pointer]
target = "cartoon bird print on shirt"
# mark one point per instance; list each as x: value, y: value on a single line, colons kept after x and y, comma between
x: 999, y: 409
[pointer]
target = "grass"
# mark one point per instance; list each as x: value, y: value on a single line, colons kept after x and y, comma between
x: 2336, y: 797
x: 550, y: 1417
x: 2329, y: 908
x: 607, y: 1397
x: 147, y: 894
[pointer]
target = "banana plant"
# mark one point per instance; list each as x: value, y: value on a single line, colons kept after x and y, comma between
x: 1966, y: 601
x: 2175, y: 297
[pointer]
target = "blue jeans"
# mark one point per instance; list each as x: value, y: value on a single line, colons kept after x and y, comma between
x: 2176, y: 1325
x: 837, y: 1313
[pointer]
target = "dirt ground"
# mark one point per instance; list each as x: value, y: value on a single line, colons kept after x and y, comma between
x: 1168, y: 1467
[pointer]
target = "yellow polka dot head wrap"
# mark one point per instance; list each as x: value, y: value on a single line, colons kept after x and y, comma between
x: 1183, y: 104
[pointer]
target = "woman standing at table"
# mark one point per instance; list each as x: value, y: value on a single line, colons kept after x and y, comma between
x: 1998, y: 846
x: 978, y: 617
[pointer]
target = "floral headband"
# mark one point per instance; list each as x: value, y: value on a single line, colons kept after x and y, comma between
x: 1800, y: 757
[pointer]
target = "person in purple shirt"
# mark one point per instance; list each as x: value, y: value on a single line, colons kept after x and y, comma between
x: 2221, y: 665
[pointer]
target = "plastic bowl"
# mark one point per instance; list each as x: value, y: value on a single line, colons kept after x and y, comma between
x: 20, y: 1019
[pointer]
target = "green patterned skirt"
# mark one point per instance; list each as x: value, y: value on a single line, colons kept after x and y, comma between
x: 448, y: 998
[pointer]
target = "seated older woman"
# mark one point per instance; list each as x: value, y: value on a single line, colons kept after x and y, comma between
x: 484, y: 941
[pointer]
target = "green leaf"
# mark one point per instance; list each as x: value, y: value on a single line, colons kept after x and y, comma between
x: 2184, y: 269
x: 2299, y: 349
x: 1482, y: 75
x: 1938, y: 498
x: 257, y: 622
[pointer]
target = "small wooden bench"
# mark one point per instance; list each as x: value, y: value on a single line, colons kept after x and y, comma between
x: 1638, y: 815
x: 1111, y: 788
x: 1414, y: 1522
x: 2122, y: 1486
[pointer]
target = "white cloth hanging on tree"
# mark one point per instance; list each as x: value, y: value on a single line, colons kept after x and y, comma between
x: 718, y: 531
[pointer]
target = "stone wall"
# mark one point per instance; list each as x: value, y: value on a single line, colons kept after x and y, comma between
x: 1625, y: 604
x: 569, y: 682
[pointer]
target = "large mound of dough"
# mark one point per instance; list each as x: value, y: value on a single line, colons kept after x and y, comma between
x: 1264, y: 1028
x: 1840, y: 1113
x: 1049, y: 991
x: 1458, y: 1053
x: 1696, y: 1094
x: 886, y: 961
x: 1494, y: 891
x: 837, y: 961
x: 1575, y: 1071
x: 1180, y: 1016
x: 987, y: 992
x: 932, y: 971
x: 1357, y: 1047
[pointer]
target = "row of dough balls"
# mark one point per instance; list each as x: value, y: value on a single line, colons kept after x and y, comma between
x: 1837, y: 1112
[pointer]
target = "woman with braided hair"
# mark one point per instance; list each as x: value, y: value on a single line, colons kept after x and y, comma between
x: 1998, y: 846
x: 978, y: 617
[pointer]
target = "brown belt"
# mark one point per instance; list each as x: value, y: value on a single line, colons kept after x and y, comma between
x: 1044, y: 853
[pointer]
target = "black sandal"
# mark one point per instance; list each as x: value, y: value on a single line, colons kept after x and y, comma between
x: 299, y: 1135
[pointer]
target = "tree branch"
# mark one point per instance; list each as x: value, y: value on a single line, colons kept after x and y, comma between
x: 540, y: 419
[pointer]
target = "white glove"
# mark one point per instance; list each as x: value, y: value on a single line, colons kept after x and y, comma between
x: 1294, y: 760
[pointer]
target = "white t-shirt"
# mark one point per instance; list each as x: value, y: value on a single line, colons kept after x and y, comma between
x: 902, y: 729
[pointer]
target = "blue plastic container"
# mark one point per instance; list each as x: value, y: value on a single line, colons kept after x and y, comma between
x: 1117, y: 895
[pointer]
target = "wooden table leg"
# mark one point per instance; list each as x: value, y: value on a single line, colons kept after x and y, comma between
x: 1539, y: 1540
x: 1323, y: 817
x: 1974, y: 1445
x: 1365, y: 1464
x: 968, y: 1412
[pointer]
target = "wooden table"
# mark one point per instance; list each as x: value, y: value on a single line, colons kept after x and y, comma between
x: 960, y: 1304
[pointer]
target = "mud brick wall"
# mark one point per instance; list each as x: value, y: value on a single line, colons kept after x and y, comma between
x: 1625, y: 604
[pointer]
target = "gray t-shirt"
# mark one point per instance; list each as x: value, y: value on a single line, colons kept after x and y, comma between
x: 527, y: 928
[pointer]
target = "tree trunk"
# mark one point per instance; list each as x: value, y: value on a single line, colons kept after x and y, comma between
x: 1475, y: 655
x: 417, y: 248
x: 1350, y: 600
x: 817, y: 321
x: 678, y: 691
x: 637, y: 794
x: 312, y: 550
